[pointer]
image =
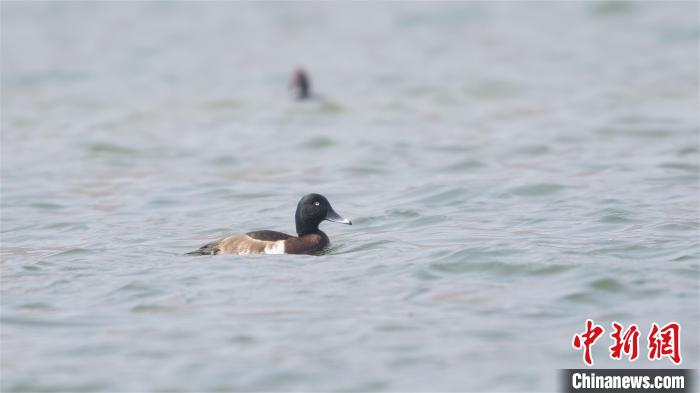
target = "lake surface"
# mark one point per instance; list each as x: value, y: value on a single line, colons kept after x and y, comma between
x: 510, y: 169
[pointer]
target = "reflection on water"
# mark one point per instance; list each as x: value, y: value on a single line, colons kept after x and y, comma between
x: 510, y: 170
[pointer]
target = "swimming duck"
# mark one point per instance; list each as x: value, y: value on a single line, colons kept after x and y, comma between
x: 301, y: 84
x: 311, y: 211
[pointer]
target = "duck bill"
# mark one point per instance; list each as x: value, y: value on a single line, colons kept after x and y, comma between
x: 335, y: 217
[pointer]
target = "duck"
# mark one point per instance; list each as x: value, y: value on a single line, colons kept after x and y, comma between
x: 301, y: 84
x: 311, y: 211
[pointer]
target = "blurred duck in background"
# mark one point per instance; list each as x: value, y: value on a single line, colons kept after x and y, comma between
x: 301, y: 84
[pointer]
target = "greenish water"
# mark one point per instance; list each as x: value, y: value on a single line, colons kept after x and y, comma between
x: 510, y: 170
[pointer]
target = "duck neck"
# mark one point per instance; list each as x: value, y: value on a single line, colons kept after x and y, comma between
x: 306, y: 229
x: 304, y: 226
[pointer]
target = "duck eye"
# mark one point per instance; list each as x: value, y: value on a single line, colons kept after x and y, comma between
x: 317, y: 204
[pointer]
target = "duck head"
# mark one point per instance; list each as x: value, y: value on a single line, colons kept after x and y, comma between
x: 312, y: 210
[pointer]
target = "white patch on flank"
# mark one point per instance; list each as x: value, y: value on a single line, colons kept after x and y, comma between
x: 275, y: 247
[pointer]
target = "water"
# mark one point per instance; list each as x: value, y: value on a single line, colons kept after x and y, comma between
x: 510, y: 170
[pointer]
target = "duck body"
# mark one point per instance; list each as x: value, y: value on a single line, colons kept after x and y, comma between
x: 311, y: 211
x: 266, y: 242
